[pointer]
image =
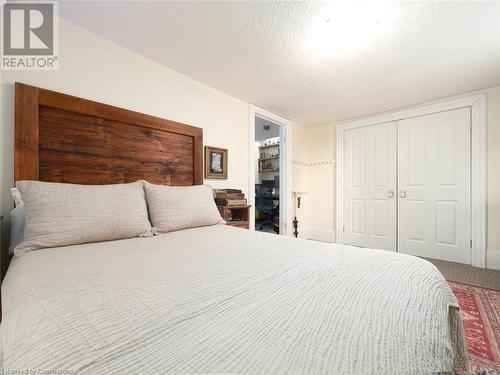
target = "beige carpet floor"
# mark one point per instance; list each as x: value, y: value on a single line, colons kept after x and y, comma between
x: 463, y: 273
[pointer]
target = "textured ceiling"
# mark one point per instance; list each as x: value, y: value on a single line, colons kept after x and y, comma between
x: 378, y: 57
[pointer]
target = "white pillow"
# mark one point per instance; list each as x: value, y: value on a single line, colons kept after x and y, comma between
x: 174, y: 208
x: 67, y: 214
x: 17, y: 220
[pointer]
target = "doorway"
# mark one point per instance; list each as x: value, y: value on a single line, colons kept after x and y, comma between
x: 269, y: 172
x: 268, y: 140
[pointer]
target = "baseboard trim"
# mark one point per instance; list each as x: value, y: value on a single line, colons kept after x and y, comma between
x: 493, y: 259
x: 320, y: 235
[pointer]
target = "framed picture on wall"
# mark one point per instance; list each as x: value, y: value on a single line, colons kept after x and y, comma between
x: 215, y: 162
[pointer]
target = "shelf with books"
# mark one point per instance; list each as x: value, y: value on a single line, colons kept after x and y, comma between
x: 230, y: 202
x: 229, y: 197
x: 269, y: 158
x: 268, y: 146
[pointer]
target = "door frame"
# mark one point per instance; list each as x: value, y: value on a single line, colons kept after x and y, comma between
x: 285, y: 166
x: 477, y: 104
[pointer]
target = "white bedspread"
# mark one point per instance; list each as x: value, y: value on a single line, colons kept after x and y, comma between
x: 225, y: 300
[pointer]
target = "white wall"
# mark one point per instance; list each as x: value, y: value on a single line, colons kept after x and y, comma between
x: 93, y: 68
x: 493, y: 105
x: 321, y: 142
x: 300, y: 178
x: 321, y: 175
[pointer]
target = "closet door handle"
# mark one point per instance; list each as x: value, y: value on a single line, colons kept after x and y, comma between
x: 390, y: 194
x: 402, y: 194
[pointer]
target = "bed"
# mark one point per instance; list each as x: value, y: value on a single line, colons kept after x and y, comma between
x: 212, y: 299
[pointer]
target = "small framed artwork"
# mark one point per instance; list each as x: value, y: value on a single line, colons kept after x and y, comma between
x: 215, y: 162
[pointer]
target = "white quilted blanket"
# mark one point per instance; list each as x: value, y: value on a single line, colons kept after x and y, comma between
x: 225, y: 300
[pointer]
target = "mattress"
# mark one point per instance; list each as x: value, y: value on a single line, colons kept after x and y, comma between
x: 225, y: 300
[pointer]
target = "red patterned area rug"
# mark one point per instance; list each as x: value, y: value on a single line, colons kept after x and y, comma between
x: 480, y: 310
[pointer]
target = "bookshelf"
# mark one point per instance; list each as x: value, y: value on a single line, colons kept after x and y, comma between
x: 271, y: 158
x: 268, y: 158
x: 267, y: 189
x: 269, y: 146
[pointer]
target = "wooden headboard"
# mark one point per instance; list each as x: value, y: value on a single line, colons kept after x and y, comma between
x: 62, y: 138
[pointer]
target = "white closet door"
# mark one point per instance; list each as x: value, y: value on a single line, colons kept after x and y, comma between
x: 370, y: 183
x: 434, y: 186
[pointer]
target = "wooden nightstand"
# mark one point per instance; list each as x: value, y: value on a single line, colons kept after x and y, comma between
x: 239, y: 215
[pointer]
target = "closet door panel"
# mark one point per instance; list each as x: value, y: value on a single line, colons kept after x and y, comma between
x: 369, y: 186
x: 434, y: 186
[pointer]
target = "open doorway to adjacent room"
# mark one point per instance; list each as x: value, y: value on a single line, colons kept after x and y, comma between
x: 267, y: 175
x: 269, y: 171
